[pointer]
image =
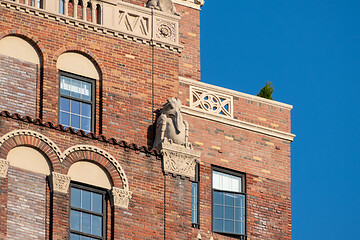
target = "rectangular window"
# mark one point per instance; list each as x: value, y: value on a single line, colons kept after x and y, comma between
x: 194, y: 203
x: 76, y: 102
x: 229, y: 199
x: 195, y: 199
x: 87, y: 213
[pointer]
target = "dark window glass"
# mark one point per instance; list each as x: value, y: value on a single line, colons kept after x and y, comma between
x: 228, y: 202
x: 86, y: 213
x: 76, y: 102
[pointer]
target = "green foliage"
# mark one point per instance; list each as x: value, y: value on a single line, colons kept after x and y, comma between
x: 266, y: 91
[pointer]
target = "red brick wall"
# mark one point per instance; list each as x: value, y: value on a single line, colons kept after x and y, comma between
x: 189, y: 31
x: 26, y: 205
x: 18, y: 81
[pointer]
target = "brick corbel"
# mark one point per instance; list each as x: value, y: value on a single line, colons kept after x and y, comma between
x: 4, y: 166
x: 60, y: 182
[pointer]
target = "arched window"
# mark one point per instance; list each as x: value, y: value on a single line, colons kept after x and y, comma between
x: 88, y: 197
x: 20, y: 68
x: 77, y: 78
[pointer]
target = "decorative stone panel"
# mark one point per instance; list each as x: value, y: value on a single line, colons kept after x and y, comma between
x: 60, y: 182
x: 179, y: 159
x: 118, y: 18
x: 121, y: 197
x: 4, y: 166
x: 211, y: 102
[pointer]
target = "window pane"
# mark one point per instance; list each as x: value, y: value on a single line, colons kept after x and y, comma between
x: 74, y: 236
x: 229, y: 213
x: 86, y: 238
x: 65, y: 86
x: 85, y: 223
x: 64, y: 119
x: 218, y: 211
x: 194, y: 202
x: 75, y: 88
x: 85, y: 124
x: 218, y: 225
x: 239, y: 227
x: 75, y: 220
x: 75, y: 107
x: 218, y: 197
x: 65, y: 104
x: 238, y: 213
x: 86, y: 109
x: 75, y: 121
x: 86, y: 91
x: 226, y: 182
x: 61, y: 6
x: 216, y: 180
x: 86, y: 200
x: 75, y: 197
x: 229, y: 226
x: 229, y: 199
x: 96, y: 228
x: 97, y: 202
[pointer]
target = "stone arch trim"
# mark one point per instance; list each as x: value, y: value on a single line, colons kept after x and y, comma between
x: 30, y: 138
x: 34, y: 41
x: 78, y: 152
x: 94, y: 59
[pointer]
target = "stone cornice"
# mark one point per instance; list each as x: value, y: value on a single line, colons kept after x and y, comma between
x: 234, y: 93
x: 238, y: 124
x: 100, y: 29
x: 196, y: 4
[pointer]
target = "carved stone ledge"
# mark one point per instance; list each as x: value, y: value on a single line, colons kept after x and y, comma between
x: 179, y: 159
x: 4, y: 166
x: 196, y: 4
x: 60, y: 182
x: 121, y: 197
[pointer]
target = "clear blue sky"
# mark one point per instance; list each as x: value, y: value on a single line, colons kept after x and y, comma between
x: 310, y: 50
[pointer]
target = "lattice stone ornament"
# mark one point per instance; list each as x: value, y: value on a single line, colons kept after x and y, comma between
x: 211, y: 102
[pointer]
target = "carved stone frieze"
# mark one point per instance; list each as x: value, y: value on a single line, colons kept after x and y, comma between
x: 121, y: 197
x: 118, y: 18
x: 179, y: 159
x: 4, y: 166
x: 60, y: 182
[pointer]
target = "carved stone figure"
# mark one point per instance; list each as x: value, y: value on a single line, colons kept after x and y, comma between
x: 170, y: 124
x: 163, y: 5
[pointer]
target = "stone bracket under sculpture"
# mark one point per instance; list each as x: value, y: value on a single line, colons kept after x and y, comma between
x: 179, y: 159
x: 171, y: 139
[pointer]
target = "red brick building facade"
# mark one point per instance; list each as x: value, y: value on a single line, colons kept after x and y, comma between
x: 81, y: 86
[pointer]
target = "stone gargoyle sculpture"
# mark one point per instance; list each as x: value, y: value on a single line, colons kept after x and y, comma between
x: 170, y: 124
x: 163, y: 5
